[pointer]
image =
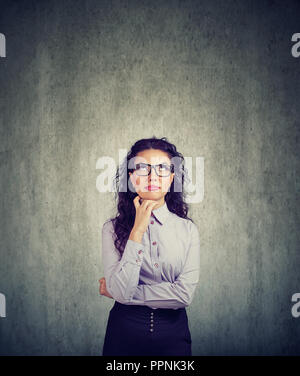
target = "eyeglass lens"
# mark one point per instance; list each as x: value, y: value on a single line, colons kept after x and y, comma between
x: 143, y: 169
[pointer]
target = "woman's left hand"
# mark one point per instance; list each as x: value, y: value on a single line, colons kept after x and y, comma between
x: 102, y: 288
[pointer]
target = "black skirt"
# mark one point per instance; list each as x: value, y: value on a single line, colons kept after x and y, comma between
x: 139, y: 330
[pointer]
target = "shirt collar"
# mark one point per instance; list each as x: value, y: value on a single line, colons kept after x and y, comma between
x: 161, y: 213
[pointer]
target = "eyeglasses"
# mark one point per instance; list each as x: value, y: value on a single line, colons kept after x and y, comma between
x: 162, y: 169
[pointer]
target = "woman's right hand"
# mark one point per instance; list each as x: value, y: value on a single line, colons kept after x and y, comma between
x: 142, y: 217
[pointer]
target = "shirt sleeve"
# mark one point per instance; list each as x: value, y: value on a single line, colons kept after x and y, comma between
x: 178, y: 294
x: 121, y: 273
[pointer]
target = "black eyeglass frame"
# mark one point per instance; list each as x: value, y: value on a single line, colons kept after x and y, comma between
x: 170, y: 167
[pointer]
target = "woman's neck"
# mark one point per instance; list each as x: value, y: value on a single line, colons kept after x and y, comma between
x: 159, y: 203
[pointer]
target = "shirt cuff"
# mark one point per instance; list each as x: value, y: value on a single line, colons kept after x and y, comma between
x: 133, y: 252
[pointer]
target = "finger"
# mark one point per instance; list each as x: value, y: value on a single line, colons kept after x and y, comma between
x: 136, y: 201
x: 146, y: 203
x: 151, y: 205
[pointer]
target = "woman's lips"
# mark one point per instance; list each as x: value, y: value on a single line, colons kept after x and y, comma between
x: 152, y: 188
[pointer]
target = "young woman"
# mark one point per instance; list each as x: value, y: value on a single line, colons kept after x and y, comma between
x: 150, y: 255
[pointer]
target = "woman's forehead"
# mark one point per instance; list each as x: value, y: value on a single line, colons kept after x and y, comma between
x: 152, y: 156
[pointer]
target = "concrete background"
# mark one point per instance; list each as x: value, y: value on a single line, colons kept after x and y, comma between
x: 84, y: 79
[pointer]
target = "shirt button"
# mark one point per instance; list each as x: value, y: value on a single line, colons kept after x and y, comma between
x: 154, y: 243
x: 140, y: 251
x: 138, y: 260
x: 151, y: 330
x: 156, y: 265
x: 152, y: 222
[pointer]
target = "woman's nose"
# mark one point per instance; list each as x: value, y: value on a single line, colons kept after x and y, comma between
x: 152, y: 176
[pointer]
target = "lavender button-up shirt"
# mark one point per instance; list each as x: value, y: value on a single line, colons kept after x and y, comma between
x: 163, y: 271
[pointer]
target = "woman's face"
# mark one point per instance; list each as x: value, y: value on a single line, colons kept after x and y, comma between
x: 142, y: 183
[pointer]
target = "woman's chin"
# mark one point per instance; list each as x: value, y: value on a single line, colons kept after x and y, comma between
x: 150, y: 195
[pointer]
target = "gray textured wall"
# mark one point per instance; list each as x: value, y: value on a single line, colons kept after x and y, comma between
x: 84, y: 79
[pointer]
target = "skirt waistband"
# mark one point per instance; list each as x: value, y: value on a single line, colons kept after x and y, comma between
x: 145, y: 310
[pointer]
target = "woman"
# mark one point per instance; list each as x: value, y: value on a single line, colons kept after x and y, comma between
x: 150, y: 255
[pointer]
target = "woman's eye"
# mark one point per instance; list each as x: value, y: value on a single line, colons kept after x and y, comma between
x: 163, y: 167
x: 141, y: 167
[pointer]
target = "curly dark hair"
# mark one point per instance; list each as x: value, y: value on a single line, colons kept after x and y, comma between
x: 125, y: 192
